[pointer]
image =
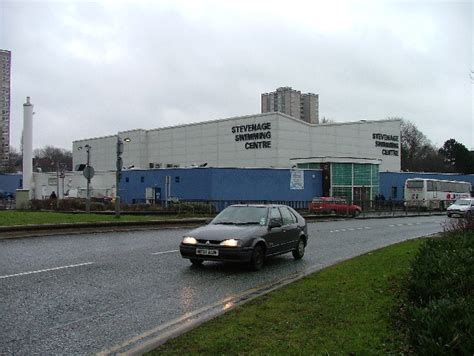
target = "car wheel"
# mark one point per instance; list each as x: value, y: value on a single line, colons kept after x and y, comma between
x: 333, y: 212
x: 449, y: 215
x: 196, y: 262
x: 468, y: 214
x: 356, y: 214
x: 258, y: 258
x: 298, y: 253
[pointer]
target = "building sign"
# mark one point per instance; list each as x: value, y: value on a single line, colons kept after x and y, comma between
x: 255, y: 136
x: 389, y: 143
x: 297, y: 179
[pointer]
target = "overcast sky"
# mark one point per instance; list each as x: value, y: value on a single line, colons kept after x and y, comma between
x: 98, y: 67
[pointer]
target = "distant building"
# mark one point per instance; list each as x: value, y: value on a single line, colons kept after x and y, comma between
x: 5, y: 71
x: 293, y: 103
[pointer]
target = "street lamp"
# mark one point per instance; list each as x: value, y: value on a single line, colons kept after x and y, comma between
x: 118, y: 173
x: 88, y: 173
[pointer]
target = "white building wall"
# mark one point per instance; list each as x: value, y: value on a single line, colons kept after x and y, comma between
x: 214, y: 143
x: 74, y: 183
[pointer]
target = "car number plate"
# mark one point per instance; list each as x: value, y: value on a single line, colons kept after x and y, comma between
x: 207, y: 252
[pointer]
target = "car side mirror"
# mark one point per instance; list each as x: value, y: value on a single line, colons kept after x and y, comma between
x: 274, y: 223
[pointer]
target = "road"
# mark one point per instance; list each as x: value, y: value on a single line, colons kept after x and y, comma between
x: 89, y: 293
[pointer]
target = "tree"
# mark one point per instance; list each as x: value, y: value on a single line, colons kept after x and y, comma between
x: 326, y: 120
x: 14, y: 161
x: 48, y: 157
x: 457, y: 156
x: 417, y: 152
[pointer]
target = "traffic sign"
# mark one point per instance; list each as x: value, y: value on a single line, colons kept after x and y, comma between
x: 88, y: 172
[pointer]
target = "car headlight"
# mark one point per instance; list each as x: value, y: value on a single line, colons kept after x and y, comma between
x: 230, y: 243
x: 188, y: 240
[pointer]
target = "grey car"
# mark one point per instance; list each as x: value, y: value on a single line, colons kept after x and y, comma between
x: 462, y: 207
x: 248, y: 234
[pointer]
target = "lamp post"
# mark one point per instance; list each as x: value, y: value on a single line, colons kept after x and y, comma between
x: 88, y: 191
x: 118, y: 173
x: 88, y: 174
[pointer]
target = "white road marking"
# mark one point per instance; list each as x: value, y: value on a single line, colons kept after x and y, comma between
x: 45, y: 270
x: 343, y: 230
x: 367, y: 228
x: 162, y: 253
x: 336, y: 230
x: 399, y: 224
x: 391, y: 225
x: 360, y: 228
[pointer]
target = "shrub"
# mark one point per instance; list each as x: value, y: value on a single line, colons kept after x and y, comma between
x: 440, y: 295
x: 459, y: 225
x: 193, y: 207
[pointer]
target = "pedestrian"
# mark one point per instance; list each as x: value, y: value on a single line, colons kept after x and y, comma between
x: 53, y: 195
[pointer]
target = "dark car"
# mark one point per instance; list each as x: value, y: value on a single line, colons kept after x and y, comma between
x: 247, y: 233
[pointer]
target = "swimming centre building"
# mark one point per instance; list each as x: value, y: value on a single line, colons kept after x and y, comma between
x: 350, y: 154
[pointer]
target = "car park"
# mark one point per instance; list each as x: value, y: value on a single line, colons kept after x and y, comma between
x: 248, y: 234
x: 461, y: 207
x: 334, y: 205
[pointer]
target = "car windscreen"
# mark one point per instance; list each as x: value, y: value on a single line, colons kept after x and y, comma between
x: 461, y: 202
x: 242, y: 215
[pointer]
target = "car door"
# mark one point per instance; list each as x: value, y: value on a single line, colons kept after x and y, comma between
x: 274, y: 236
x: 290, y: 233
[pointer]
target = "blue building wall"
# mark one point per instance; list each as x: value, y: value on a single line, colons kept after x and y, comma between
x: 397, y: 180
x: 218, y: 184
x: 10, y: 182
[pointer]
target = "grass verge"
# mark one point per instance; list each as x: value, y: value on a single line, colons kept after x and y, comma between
x: 343, y: 309
x: 10, y: 218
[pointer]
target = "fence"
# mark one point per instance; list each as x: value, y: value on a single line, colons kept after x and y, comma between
x: 7, y: 204
x: 329, y: 206
x: 338, y: 207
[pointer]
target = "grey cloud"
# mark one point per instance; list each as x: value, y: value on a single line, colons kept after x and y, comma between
x: 174, y: 70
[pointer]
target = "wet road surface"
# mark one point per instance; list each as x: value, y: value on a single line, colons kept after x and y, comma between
x: 88, y: 293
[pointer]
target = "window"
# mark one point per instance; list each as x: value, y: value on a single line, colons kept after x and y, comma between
x: 275, y: 215
x: 362, y: 174
x: 288, y: 218
x: 142, y: 179
x: 127, y: 179
x: 415, y: 184
x: 176, y: 179
x: 430, y: 186
x: 342, y: 174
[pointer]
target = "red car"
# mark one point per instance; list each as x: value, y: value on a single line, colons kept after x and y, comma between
x: 335, y: 206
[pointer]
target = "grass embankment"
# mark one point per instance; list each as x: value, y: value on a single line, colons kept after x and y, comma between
x: 342, y: 309
x: 10, y: 218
